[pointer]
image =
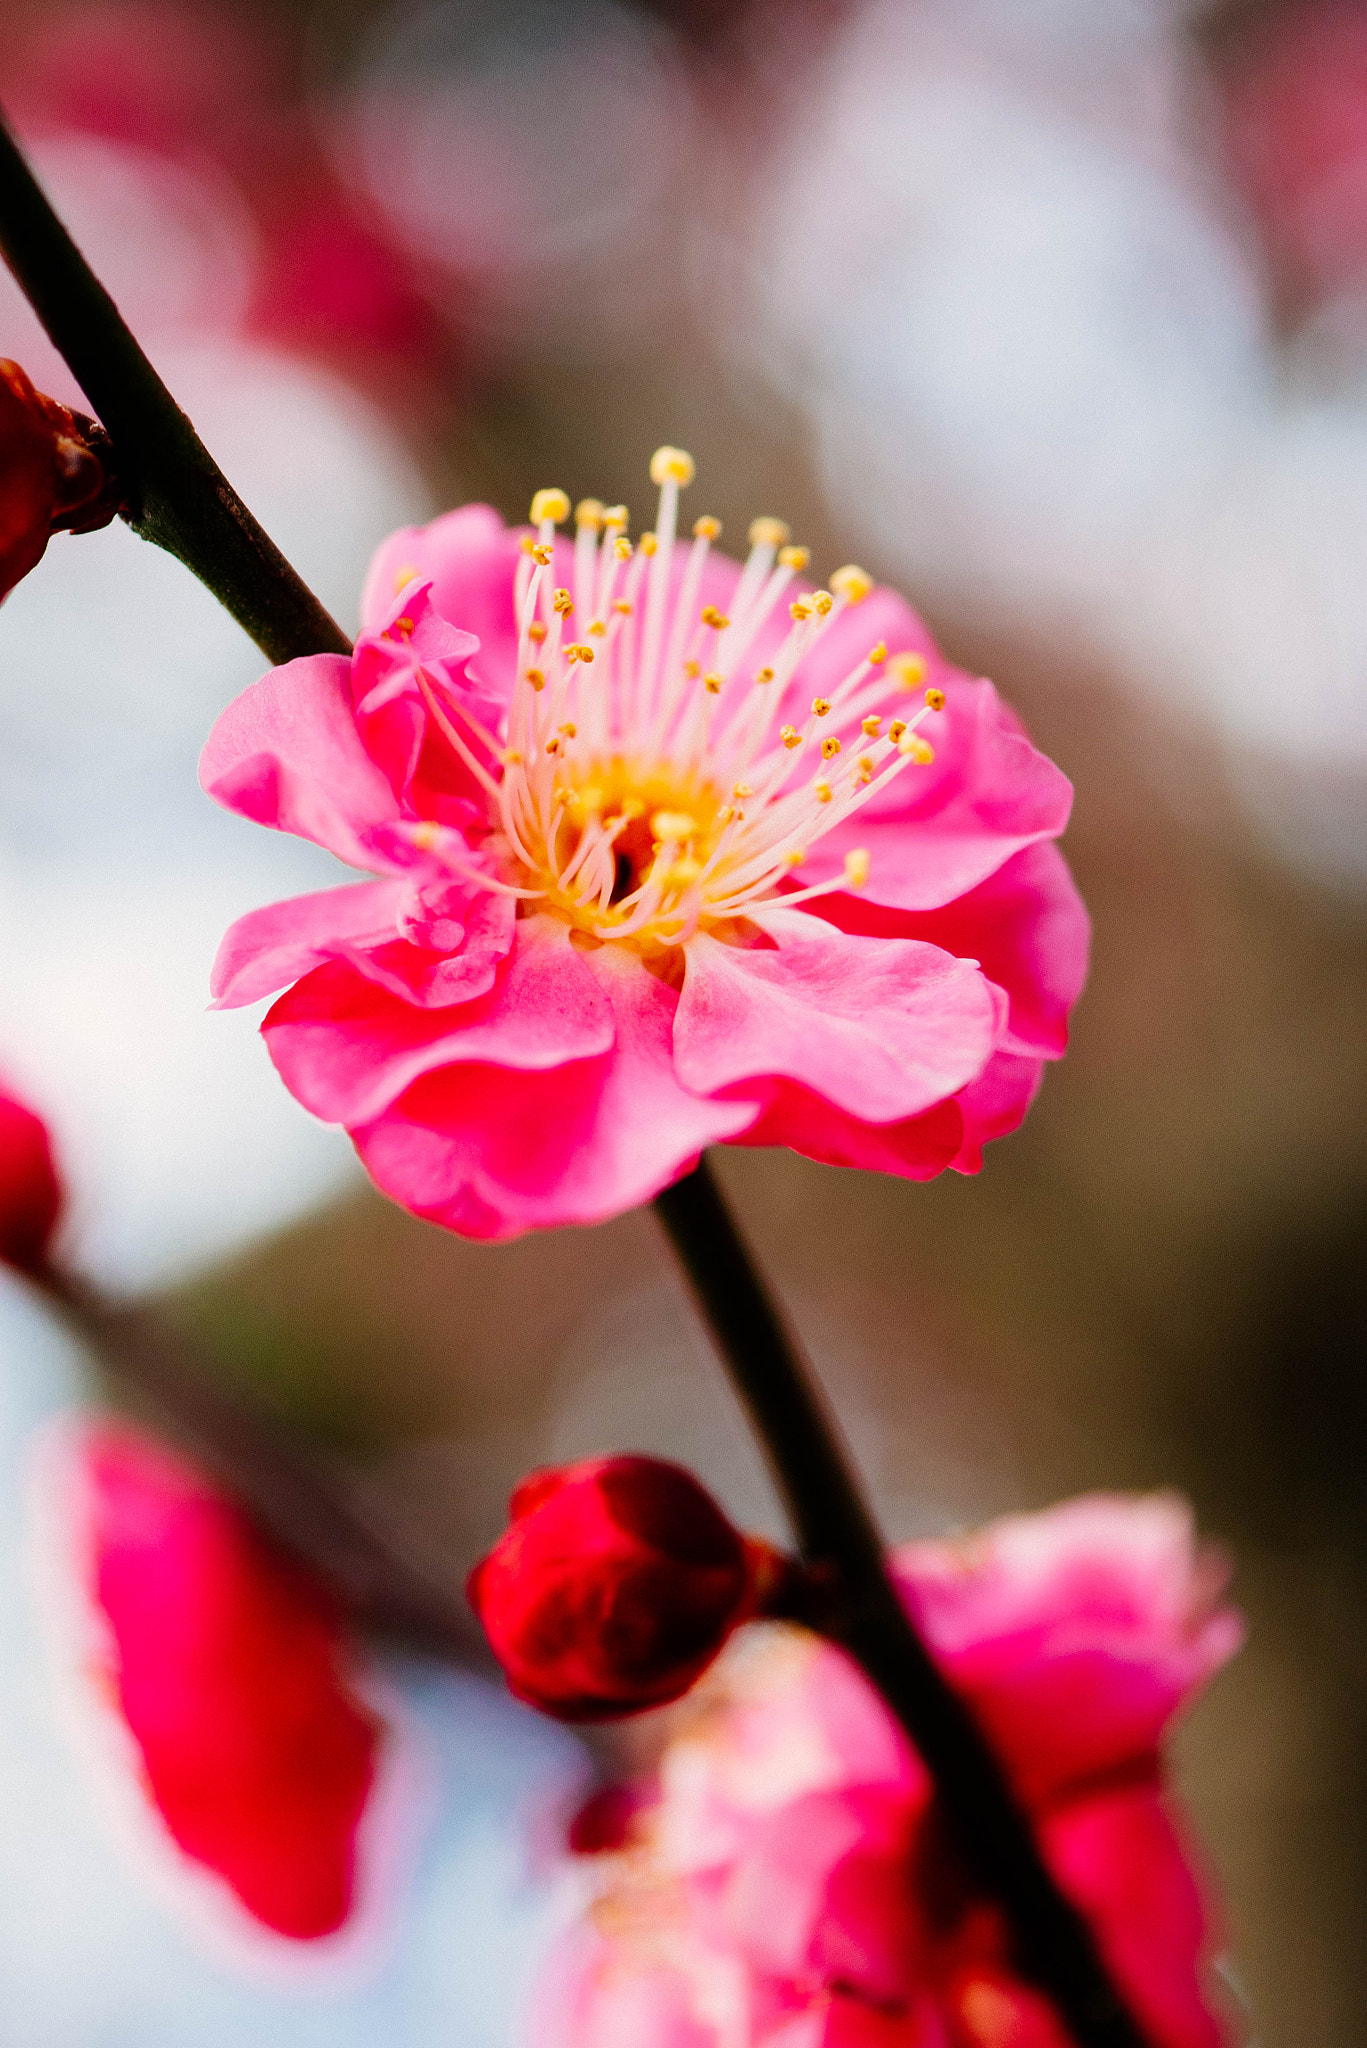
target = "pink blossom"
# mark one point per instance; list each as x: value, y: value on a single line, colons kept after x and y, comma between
x: 30, y: 1192
x: 227, y: 1664
x: 665, y: 852
x: 786, y: 1880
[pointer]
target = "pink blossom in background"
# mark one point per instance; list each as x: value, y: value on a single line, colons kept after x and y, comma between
x: 228, y: 1665
x: 30, y: 1192
x: 665, y: 851
x: 785, y: 1881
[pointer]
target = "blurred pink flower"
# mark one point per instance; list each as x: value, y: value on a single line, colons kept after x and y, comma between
x: 786, y: 1881
x: 30, y: 1192
x: 661, y: 859
x: 228, y: 1665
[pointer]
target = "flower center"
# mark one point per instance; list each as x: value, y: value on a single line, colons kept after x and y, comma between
x: 648, y: 787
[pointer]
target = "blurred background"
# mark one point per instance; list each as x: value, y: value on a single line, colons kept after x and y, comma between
x: 1055, y: 314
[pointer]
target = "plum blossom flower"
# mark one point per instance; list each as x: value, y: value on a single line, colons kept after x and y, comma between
x: 616, y: 1584
x: 227, y: 1663
x: 666, y: 851
x: 30, y: 1192
x: 786, y: 1881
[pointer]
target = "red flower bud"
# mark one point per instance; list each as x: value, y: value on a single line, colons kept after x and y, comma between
x: 56, y: 474
x: 30, y: 1193
x: 615, y: 1587
x: 228, y: 1664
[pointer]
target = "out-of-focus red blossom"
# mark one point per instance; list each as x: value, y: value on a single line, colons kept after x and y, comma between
x: 228, y: 1664
x: 616, y: 1585
x: 56, y: 474
x: 786, y: 1881
x: 30, y: 1192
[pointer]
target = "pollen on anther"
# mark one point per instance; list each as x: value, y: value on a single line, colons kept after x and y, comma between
x: 537, y: 678
x: 830, y: 747
x: 741, y: 791
x: 589, y: 512
x: 552, y: 504
x: 563, y: 603
x: 871, y: 725
x: 863, y: 768
x: 707, y: 528
x: 671, y: 465
x: 718, y: 620
x: 822, y: 791
x: 878, y: 654
x: 794, y: 558
x: 647, y: 543
x: 909, y: 669
x: 672, y: 827
x: 789, y: 737
x: 935, y: 699
x: 712, y: 682
x: 615, y: 516
x: 795, y: 856
x: 510, y: 757
x: 919, y: 750
x: 896, y: 729
x: 800, y: 609
x: 823, y: 602
x: 568, y: 730
x: 540, y: 552
x: 857, y: 866
x: 553, y: 744
x: 597, y: 628
x: 536, y: 631
x: 852, y: 583
x: 820, y: 706
x: 621, y: 547
x: 622, y: 605
x: 403, y: 627
x: 768, y: 533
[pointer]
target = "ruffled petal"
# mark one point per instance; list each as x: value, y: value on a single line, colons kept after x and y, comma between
x: 493, y: 1154
x: 286, y: 753
x: 881, y: 1028
x: 454, y: 939
x: 1027, y: 928
x: 347, y: 1048
x: 271, y: 947
x: 916, y: 1149
x: 469, y: 557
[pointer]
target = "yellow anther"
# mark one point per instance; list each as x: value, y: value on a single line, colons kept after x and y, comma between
x: 586, y: 803
x: 768, y: 533
x: 795, y: 856
x: 935, y: 699
x: 852, y: 583
x: 403, y: 627
x: 536, y: 631
x: 794, y: 558
x: 597, y: 628
x: 789, y: 737
x: 764, y: 675
x: 577, y: 651
x: 714, y: 618
x: 878, y: 654
x: 402, y: 577
x: 800, y: 609
x: 741, y: 791
x: 563, y: 603
x: 621, y: 547
x: 622, y: 605
x: 671, y: 465
x: 589, y: 512
x: 536, y: 677
x: 552, y: 504
x: 823, y: 601
x: 527, y: 544
x: 897, y: 728
x: 553, y: 744
x: 820, y: 706
x: 909, y: 669
x: 615, y: 517
x: 426, y: 835
x: 647, y: 543
x: 682, y: 873
x: 917, y: 748
x: 540, y: 551
x: 692, y: 669
x: 510, y: 757
x: 857, y: 866
x: 707, y: 528
x: 871, y: 725
x: 830, y: 747
x: 822, y: 791
x: 725, y: 815
x: 672, y: 827
x: 863, y: 768
x: 631, y: 807
x: 712, y: 682
x: 568, y: 730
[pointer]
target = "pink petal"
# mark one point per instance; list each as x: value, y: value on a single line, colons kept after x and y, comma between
x: 268, y: 948
x: 1027, y: 928
x: 415, y: 650
x: 941, y: 830
x: 469, y: 557
x: 228, y: 1666
x: 1122, y: 1862
x: 916, y: 1149
x: 995, y: 1104
x: 455, y: 936
x: 881, y: 1028
x: 348, y: 1048
x: 492, y: 1154
x: 286, y: 753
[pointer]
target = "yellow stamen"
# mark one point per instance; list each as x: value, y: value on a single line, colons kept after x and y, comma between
x: 597, y: 628
x: 768, y: 533
x: 823, y: 601
x: 857, y: 866
x: 537, y: 678
x: 707, y: 528
x: 800, y: 609
x: 878, y: 654
x: 871, y: 725
x: 830, y: 747
x: 712, y: 682
x: 935, y: 699
x: 822, y: 791
x: 540, y: 551
x: 821, y: 705
x: 675, y: 463
x: 794, y: 558
x: 615, y: 516
x: 568, y: 730
x: 536, y: 631
x: 917, y: 748
x: 622, y: 605
x: 672, y: 827
x: 647, y: 543
x: 589, y: 512
x: 764, y: 675
x: 789, y: 738
x: 552, y: 504
x: 563, y: 603
x: 741, y: 791
x: 714, y: 618
x: 510, y: 757
x: 852, y: 582
x: 897, y: 728
x: 795, y: 856
x: 621, y: 547
x: 909, y: 669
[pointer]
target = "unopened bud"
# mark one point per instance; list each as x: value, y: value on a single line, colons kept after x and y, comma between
x: 30, y: 1193
x: 56, y: 474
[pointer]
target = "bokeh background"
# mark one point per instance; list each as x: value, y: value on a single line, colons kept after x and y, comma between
x: 1056, y: 315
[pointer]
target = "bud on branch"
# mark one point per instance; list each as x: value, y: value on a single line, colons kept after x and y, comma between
x: 56, y: 474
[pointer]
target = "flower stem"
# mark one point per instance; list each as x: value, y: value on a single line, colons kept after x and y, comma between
x: 184, y: 503
x: 180, y: 498
x: 836, y: 1529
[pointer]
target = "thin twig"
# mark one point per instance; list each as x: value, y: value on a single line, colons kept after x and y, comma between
x: 836, y: 1530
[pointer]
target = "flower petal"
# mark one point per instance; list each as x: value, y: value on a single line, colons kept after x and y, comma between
x: 271, y: 947
x: 492, y: 1154
x: 881, y: 1028
x: 286, y: 753
x: 917, y: 1148
x: 469, y: 557
x: 348, y: 1048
